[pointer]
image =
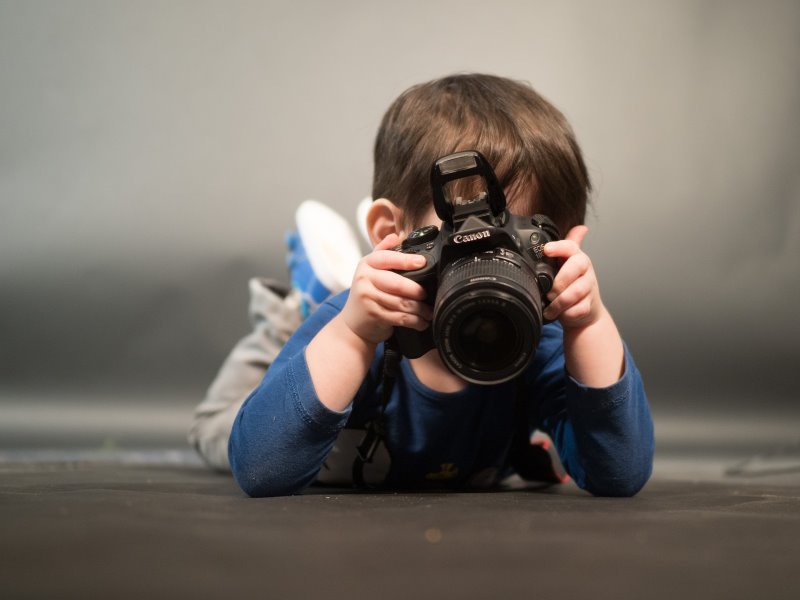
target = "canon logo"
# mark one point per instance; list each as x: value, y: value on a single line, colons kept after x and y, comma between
x: 470, y: 237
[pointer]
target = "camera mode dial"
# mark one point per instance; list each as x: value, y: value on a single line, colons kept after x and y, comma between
x: 420, y: 236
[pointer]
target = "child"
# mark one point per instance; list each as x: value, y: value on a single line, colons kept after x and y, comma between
x: 582, y: 387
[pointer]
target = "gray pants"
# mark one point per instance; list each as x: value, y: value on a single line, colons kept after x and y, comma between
x: 274, y: 314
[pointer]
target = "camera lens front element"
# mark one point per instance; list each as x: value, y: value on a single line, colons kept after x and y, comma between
x: 487, y: 339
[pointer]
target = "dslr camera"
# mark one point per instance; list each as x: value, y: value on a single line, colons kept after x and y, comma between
x: 485, y: 274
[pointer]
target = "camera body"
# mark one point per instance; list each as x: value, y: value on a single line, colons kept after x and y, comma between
x: 485, y: 274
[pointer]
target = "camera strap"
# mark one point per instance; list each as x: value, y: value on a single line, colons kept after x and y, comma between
x: 375, y: 430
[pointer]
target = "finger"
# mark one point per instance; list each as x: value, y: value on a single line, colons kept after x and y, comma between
x: 573, y: 295
x: 561, y: 248
x: 396, y: 318
x: 577, y: 266
x: 386, y: 260
x: 410, y: 321
x: 390, y: 241
x: 397, y: 285
x: 577, y: 233
x: 394, y: 303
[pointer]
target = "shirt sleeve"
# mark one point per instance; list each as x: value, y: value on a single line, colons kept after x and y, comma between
x: 604, y: 436
x: 283, y: 433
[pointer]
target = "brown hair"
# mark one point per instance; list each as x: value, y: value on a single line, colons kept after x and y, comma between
x: 528, y: 142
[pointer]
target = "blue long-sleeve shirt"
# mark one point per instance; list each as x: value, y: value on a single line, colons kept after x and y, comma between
x: 283, y: 433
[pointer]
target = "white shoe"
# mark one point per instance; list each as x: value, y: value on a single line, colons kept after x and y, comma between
x: 361, y: 219
x: 323, y: 254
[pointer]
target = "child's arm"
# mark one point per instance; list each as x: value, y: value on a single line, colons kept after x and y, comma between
x: 592, y: 345
x: 340, y: 354
x: 605, y: 436
x: 287, y: 427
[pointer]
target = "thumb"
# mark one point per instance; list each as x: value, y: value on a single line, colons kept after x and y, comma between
x: 577, y: 233
x: 389, y: 242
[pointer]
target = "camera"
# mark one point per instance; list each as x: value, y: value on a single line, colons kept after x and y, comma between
x: 485, y: 274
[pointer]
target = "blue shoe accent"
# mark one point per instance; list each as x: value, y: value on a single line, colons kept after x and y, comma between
x: 323, y: 254
x: 312, y: 291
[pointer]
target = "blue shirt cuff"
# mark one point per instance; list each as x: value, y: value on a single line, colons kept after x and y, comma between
x: 582, y: 399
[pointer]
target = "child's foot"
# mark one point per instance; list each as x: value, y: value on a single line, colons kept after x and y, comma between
x: 322, y: 254
x: 361, y: 218
x: 540, y: 461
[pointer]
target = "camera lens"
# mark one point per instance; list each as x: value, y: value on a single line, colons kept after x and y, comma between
x: 487, y: 316
x: 487, y: 339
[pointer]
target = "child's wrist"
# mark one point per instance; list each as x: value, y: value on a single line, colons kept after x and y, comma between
x: 594, y: 352
x: 351, y: 338
x: 338, y: 361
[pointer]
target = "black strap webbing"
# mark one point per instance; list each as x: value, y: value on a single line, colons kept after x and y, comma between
x: 375, y: 431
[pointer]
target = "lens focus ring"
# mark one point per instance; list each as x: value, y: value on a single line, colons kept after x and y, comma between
x: 489, y: 267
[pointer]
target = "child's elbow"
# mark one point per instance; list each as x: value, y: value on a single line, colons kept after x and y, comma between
x: 249, y: 477
x: 255, y: 487
x: 259, y: 481
x: 623, y: 488
x: 257, y: 475
x: 623, y: 485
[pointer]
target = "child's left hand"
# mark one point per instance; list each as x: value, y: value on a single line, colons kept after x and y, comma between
x: 575, y: 296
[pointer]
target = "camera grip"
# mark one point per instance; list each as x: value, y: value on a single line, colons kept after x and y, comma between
x: 413, y: 343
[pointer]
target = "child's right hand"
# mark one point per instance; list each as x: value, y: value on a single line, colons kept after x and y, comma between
x: 381, y: 300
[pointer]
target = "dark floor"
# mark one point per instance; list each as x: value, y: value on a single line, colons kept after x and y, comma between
x: 714, y: 522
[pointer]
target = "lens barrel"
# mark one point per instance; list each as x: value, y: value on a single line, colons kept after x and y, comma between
x: 487, y: 316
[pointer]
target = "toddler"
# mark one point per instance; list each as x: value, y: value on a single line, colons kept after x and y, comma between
x: 582, y: 387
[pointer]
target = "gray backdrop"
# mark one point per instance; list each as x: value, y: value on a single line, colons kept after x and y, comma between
x: 152, y: 155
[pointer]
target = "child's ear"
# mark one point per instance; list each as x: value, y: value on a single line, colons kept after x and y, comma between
x: 384, y: 217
